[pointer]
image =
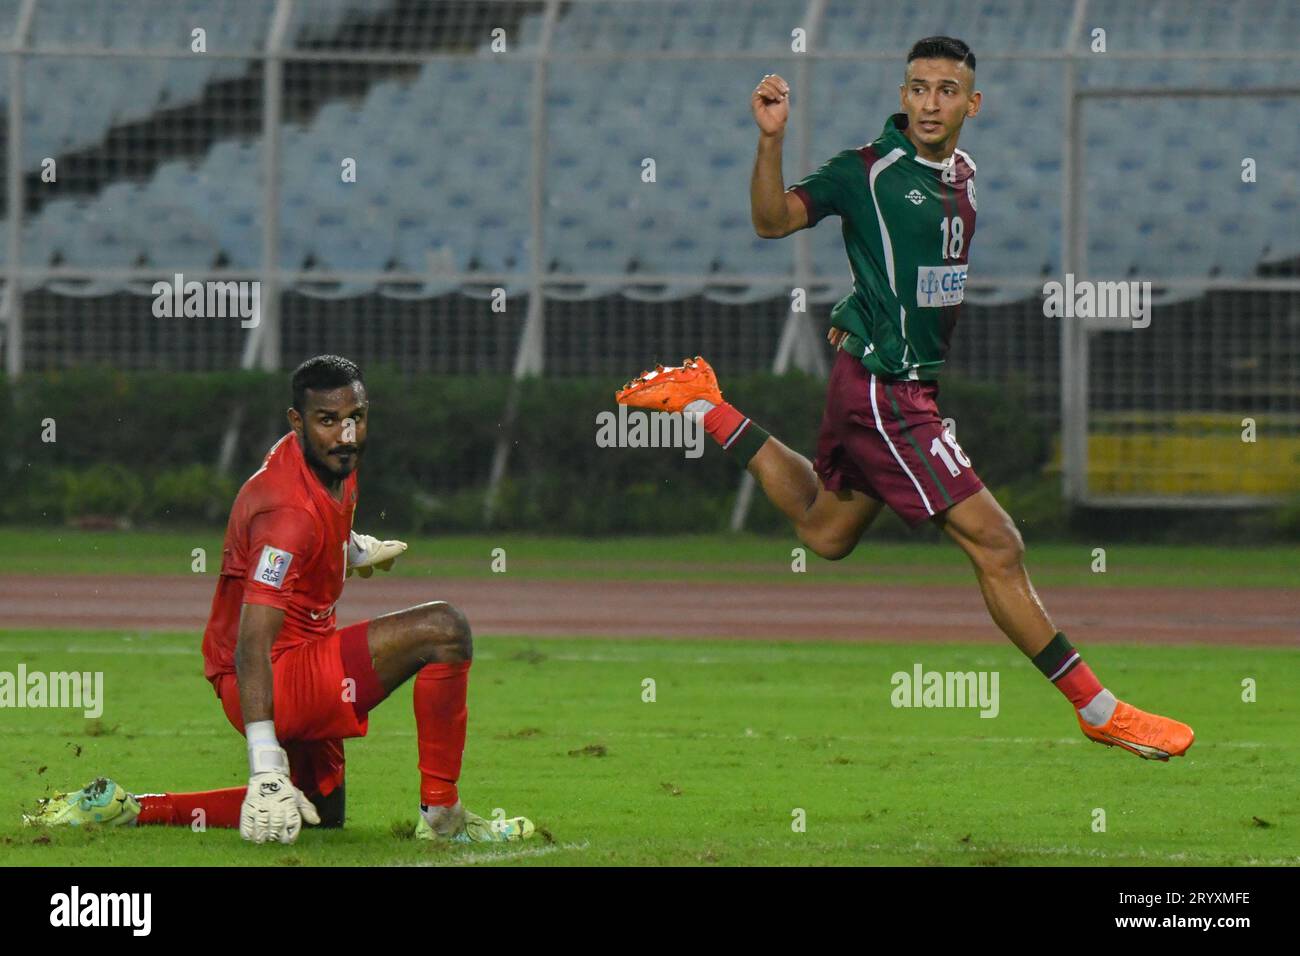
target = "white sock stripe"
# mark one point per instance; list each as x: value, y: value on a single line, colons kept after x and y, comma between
x: 736, y: 434
x: 1064, y: 667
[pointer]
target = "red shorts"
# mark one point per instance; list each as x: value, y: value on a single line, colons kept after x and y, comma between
x: 323, y: 691
x: 885, y: 438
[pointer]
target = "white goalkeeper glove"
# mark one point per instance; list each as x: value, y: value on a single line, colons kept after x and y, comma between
x: 366, y: 553
x: 274, y: 808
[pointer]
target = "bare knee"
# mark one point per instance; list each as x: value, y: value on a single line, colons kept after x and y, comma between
x: 443, y: 633
x: 1001, y: 550
x: 826, y: 543
x: 835, y: 522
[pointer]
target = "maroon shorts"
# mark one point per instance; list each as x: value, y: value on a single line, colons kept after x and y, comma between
x: 885, y: 438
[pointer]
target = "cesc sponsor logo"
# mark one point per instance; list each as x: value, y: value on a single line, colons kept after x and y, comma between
x: 938, y: 286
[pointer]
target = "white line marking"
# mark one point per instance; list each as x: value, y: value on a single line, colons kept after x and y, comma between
x: 34, y: 648
x: 1181, y: 857
x: 476, y: 859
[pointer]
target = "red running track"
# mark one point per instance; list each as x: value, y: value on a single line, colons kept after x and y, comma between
x: 799, y: 610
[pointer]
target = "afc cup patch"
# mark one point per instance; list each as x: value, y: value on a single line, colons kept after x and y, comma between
x: 970, y: 193
x: 272, y: 566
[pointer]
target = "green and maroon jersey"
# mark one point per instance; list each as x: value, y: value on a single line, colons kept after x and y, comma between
x: 907, y: 225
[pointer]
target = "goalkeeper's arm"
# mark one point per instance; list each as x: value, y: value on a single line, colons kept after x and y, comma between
x: 273, y: 807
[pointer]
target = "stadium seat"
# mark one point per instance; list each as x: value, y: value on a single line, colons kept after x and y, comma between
x: 766, y: 264
x: 89, y: 95
x: 428, y: 254
x: 665, y: 244
x: 175, y: 238
x: 447, y: 192
x: 47, y: 238
x: 499, y: 247
x: 580, y: 244
x: 110, y: 239
x: 239, y: 235
x: 343, y: 238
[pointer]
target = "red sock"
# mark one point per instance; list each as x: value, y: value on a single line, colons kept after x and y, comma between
x: 440, y: 718
x: 724, y: 423
x: 1080, y: 685
x: 738, y: 436
x: 1060, y: 663
x: 220, y: 808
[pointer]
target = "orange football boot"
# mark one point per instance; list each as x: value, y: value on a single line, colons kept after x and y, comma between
x: 672, y: 389
x: 1150, y: 736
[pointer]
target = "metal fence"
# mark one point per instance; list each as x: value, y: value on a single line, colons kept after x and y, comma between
x: 561, y: 188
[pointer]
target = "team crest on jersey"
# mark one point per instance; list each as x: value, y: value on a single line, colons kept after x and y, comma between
x: 916, y: 197
x: 939, y: 286
x: 970, y: 194
x: 271, y: 567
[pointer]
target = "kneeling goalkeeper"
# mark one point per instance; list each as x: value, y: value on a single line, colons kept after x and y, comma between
x: 289, y: 680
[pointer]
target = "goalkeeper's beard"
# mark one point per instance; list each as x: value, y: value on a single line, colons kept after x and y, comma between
x: 327, y: 472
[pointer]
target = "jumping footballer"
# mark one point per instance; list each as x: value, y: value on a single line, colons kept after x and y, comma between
x: 906, y: 203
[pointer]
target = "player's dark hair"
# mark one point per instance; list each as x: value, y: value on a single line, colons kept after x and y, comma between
x: 942, y: 48
x: 323, y: 373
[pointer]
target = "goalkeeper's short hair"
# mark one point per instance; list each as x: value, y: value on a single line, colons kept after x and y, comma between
x: 322, y: 373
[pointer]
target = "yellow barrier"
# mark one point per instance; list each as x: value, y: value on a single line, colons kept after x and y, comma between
x: 1189, y: 453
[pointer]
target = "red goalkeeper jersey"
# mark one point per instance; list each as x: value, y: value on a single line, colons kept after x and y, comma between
x: 286, y: 546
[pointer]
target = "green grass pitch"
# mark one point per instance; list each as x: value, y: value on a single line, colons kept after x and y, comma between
x: 701, y: 557
x: 739, y: 738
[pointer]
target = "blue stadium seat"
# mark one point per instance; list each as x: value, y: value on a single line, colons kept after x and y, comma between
x: 581, y: 244
x: 430, y: 254
x: 175, y: 237
x: 110, y: 238
x: 499, y: 246
x: 666, y: 244
x: 339, y: 239
x: 446, y: 189
x: 239, y: 234
x: 77, y: 23
x: 48, y: 237
x: 744, y: 253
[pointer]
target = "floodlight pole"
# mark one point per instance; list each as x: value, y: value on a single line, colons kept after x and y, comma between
x: 262, y: 344
x: 531, y: 354
x: 272, y: 110
x: 13, y: 303
x: 1073, y: 332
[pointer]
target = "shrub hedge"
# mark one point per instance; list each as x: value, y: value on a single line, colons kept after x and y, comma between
x: 144, y: 446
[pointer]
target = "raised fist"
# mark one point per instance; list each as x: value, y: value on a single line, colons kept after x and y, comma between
x: 771, y: 104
